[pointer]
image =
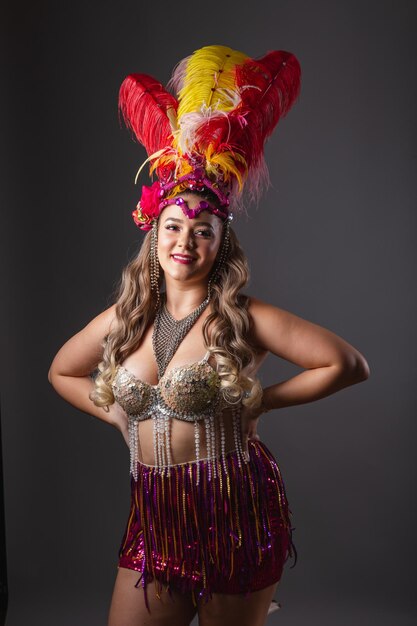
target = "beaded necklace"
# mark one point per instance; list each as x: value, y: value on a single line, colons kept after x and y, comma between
x: 168, y: 332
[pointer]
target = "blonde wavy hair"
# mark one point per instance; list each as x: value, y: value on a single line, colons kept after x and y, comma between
x: 224, y: 329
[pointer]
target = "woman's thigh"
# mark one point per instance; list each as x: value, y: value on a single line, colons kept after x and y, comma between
x: 224, y: 609
x: 128, y: 604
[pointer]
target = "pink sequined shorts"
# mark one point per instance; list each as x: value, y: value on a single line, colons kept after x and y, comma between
x: 230, y: 533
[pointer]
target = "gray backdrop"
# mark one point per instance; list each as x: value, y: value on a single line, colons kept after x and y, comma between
x: 333, y: 241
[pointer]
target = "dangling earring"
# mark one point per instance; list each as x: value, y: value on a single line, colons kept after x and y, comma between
x: 222, y: 258
x: 154, y: 262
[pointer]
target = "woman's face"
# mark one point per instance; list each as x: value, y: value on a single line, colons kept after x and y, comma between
x: 187, y: 248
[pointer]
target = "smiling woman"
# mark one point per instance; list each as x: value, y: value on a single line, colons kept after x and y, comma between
x: 190, y: 242
x: 179, y: 351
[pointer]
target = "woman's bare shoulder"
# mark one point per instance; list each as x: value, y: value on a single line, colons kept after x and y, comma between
x: 272, y: 325
x: 263, y: 312
x: 104, y: 322
x: 81, y: 353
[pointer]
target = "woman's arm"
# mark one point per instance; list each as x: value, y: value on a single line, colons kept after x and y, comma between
x: 330, y: 363
x: 70, y: 370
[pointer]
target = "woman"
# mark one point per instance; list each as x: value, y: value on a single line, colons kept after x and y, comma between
x: 179, y: 351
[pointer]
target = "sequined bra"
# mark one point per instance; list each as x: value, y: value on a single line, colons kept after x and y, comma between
x: 190, y: 393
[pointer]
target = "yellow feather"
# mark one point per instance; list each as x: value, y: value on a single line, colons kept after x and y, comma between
x: 182, y: 166
x: 165, y: 159
x: 229, y: 164
x: 208, y: 86
x: 210, y: 79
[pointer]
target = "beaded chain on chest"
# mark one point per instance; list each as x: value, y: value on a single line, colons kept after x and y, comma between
x: 168, y: 332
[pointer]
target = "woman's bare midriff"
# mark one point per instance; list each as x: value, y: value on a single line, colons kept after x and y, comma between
x: 183, y: 440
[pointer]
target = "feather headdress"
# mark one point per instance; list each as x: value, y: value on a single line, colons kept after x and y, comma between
x: 213, y: 134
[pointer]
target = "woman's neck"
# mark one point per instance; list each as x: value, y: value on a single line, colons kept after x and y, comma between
x: 182, y: 299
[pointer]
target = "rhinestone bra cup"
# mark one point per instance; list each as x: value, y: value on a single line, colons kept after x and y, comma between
x: 190, y: 393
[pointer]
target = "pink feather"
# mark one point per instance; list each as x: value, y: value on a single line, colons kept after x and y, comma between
x: 143, y: 103
x: 176, y: 82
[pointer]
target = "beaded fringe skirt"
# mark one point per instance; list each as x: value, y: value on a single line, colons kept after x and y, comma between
x: 229, y: 534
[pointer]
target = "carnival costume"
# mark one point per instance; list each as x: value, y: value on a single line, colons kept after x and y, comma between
x: 219, y: 523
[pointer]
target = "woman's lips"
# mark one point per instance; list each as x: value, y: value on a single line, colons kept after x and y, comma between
x: 182, y: 258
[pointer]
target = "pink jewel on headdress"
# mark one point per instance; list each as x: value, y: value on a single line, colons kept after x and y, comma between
x: 203, y: 205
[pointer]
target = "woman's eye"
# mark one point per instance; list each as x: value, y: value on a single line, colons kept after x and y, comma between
x: 201, y: 233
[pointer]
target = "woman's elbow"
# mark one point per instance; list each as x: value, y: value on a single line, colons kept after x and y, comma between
x: 51, y: 375
x: 354, y: 368
x: 361, y: 371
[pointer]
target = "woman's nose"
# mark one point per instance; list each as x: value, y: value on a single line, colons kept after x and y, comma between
x: 187, y: 240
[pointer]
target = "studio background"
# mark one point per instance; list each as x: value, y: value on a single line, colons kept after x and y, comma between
x: 333, y: 241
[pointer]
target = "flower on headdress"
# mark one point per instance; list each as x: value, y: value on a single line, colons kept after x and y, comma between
x: 148, y: 207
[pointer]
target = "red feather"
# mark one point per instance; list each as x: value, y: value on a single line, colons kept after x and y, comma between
x: 269, y: 86
x: 143, y: 103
